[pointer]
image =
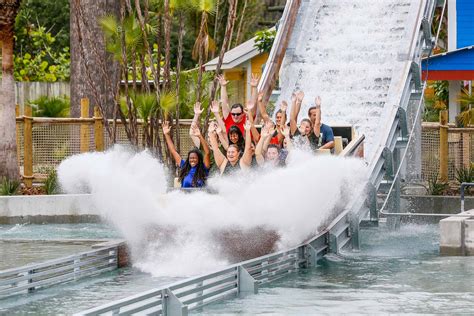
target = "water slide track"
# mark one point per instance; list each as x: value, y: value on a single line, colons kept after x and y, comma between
x: 363, y: 57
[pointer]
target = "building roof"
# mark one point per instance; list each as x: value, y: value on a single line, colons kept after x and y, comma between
x: 236, y: 56
x: 455, y: 65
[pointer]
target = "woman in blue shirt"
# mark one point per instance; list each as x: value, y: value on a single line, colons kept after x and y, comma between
x: 195, y: 169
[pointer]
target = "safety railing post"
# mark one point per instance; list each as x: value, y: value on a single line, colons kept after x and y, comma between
x: 246, y: 284
x: 393, y: 222
x: 28, y: 147
x: 172, y: 306
x: 85, y: 133
x: 443, y: 145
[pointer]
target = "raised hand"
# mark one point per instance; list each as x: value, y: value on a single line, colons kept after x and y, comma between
x: 212, y: 128
x: 197, y: 108
x: 302, y: 130
x: 250, y: 105
x: 317, y: 101
x: 166, y: 127
x: 299, y: 96
x: 222, y: 80
x: 247, y: 125
x: 293, y: 97
x: 215, y: 107
x: 254, y: 80
x: 265, y: 132
x: 283, y: 106
x: 195, y: 130
x: 260, y: 96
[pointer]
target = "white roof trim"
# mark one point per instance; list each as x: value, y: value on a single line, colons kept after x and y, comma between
x: 236, y: 56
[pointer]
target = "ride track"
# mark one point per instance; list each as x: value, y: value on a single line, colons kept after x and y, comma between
x: 390, y: 122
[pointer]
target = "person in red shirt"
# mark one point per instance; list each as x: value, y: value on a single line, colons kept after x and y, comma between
x: 235, y: 114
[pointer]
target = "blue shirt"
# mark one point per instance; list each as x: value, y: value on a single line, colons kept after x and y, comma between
x: 327, y: 134
x: 188, y: 179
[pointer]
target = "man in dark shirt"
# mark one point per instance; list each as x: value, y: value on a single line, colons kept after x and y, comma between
x: 322, y: 134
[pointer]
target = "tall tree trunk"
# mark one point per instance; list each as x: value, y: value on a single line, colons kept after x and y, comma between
x: 239, y: 29
x: 227, y: 38
x: 178, y: 76
x: 166, y: 68
x: 201, y: 56
x: 232, y: 8
x: 105, y: 72
x: 8, y: 149
x: 216, y: 25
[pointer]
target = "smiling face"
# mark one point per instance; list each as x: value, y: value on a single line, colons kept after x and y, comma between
x: 193, y: 159
x: 237, y: 113
x: 234, y: 138
x: 278, y: 118
x: 305, y: 128
x: 232, y: 154
x: 272, y: 154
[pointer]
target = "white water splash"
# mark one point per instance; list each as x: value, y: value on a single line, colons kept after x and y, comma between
x: 179, y: 234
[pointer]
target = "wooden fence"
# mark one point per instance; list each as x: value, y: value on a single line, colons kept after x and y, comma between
x: 29, y: 91
x: 445, y: 149
x: 44, y: 142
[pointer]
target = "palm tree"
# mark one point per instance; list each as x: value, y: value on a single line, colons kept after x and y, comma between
x: 204, y: 43
x: 180, y: 6
x: 232, y: 16
x: 8, y: 149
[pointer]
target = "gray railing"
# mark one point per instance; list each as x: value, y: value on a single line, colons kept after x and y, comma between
x: 39, y: 275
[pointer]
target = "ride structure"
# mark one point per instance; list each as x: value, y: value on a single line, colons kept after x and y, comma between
x: 388, y: 130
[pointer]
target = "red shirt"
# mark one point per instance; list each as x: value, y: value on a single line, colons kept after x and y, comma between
x: 229, y: 122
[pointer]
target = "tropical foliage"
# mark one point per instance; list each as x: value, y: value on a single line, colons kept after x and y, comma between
x: 9, y: 187
x: 46, y: 106
x: 436, y: 103
x: 466, y: 117
x: 264, y: 40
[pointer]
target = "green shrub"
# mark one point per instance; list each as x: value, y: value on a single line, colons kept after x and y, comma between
x: 465, y: 174
x: 51, y: 183
x: 46, y: 106
x: 435, y: 186
x: 9, y: 187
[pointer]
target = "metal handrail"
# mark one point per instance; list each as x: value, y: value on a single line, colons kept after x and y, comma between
x: 56, y: 271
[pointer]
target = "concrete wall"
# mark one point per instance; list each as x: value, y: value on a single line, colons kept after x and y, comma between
x: 48, y: 208
x: 457, y: 235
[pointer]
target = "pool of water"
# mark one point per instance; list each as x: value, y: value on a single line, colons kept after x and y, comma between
x: 20, y: 253
x: 77, y: 296
x: 25, y: 244
x: 394, y: 272
x: 58, y: 231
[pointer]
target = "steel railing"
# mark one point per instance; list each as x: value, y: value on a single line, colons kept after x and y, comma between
x: 39, y: 275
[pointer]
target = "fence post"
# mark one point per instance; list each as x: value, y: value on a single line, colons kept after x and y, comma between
x: 28, y: 147
x: 443, y: 145
x: 98, y: 130
x: 85, y: 133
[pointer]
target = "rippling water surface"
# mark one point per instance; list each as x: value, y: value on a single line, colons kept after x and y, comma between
x: 394, y: 272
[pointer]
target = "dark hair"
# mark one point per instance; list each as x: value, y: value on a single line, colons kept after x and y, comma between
x: 279, y: 111
x: 240, y: 142
x: 308, y: 121
x: 274, y: 146
x: 310, y: 109
x: 200, y: 174
x: 237, y: 105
